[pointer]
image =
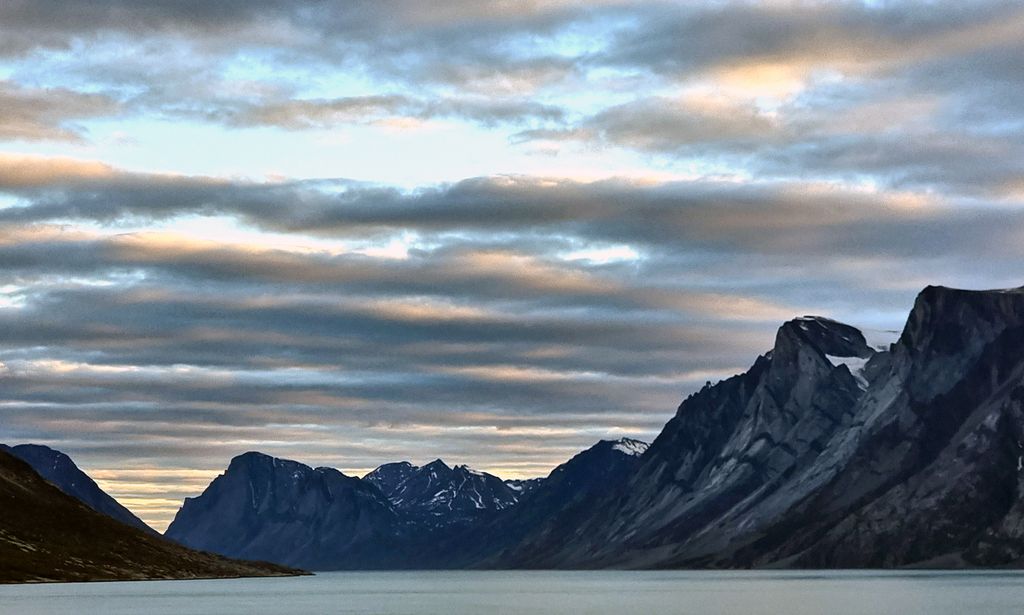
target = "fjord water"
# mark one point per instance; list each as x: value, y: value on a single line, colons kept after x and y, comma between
x: 541, y: 592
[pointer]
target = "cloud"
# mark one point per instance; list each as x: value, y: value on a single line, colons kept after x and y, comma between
x: 671, y: 125
x: 838, y: 156
x: 487, y: 50
x: 771, y: 90
x: 715, y: 215
x: 195, y: 62
x: 325, y: 113
x: 848, y: 36
x: 25, y: 172
x: 35, y: 114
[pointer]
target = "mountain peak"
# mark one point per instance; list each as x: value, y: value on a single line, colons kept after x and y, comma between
x: 829, y: 337
x: 258, y: 459
x: 35, y: 447
x: 941, y: 315
x: 280, y: 510
x: 437, y: 465
x: 629, y: 446
x: 388, y: 477
x: 442, y: 495
x: 948, y: 328
x: 250, y: 457
x: 625, y: 446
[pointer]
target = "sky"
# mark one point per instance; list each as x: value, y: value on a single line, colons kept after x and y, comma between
x: 491, y: 232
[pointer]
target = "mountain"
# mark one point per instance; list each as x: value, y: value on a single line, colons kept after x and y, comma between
x: 835, y: 449
x: 932, y: 473
x: 398, y: 516
x: 522, y: 486
x: 437, y: 494
x: 506, y: 537
x: 47, y: 535
x: 728, y: 446
x: 60, y: 470
x: 283, y: 511
x: 556, y: 505
x: 389, y: 476
x: 830, y: 453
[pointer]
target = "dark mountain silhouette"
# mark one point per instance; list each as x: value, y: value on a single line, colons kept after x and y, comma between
x: 47, y: 535
x: 279, y: 510
x: 60, y: 470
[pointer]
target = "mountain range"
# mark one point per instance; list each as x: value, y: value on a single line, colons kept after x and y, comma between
x: 440, y: 495
x: 837, y: 448
x: 397, y: 516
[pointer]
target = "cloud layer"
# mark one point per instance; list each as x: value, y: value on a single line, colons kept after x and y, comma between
x: 578, y: 214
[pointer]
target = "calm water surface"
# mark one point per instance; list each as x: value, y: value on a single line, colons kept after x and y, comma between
x: 459, y: 593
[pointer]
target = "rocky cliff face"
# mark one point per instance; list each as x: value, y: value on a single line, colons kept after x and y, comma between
x: 931, y: 475
x: 286, y: 512
x: 60, y: 470
x: 832, y: 453
x: 729, y: 448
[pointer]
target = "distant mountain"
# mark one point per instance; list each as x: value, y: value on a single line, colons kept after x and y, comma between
x: 509, y: 535
x: 437, y: 494
x: 60, y: 470
x: 47, y: 535
x: 522, y: 486
x: 398, y: 516
x: 390, y: 476
x: 283, y: 511
x: 523, y: 537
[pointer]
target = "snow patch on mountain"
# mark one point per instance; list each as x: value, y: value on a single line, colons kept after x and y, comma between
x: 630, y: 447
x: 854, y: 364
